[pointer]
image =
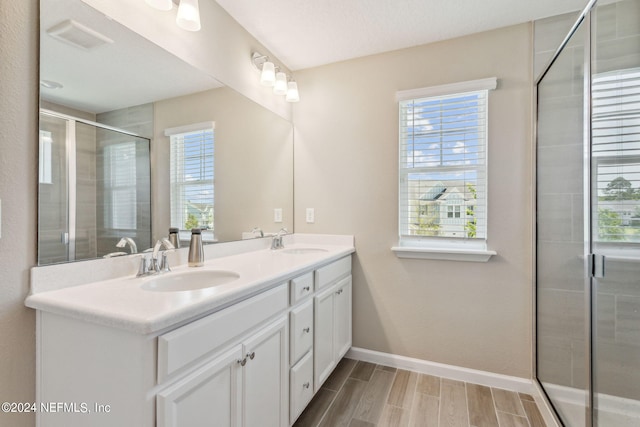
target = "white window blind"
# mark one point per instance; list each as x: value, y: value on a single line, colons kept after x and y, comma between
x: 443, y: 164
x: 616, y: 156
x: 120, y: 186
x: 192, y: 176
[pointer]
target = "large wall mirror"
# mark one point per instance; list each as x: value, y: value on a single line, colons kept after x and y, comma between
x: 134, y: 141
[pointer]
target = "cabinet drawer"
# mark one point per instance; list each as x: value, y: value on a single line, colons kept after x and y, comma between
x: 190, y: 343
x: 333, y: 271
x: 301, y: 330
x: 301, y: 287
x: 301, y: 386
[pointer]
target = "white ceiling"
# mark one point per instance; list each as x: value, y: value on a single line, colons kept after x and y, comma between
x: 308, y: 33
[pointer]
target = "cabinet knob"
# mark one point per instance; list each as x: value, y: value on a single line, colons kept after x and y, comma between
x: 339, y: 291
x: 306, y: 289
x: 251, y: 355
x: 306, y: 385
x: 242, y: 362
x: 307, y: 330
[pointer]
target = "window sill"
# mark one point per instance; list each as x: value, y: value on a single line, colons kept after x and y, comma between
x: 469, y: 255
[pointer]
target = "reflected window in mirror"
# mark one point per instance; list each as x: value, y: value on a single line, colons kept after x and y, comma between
x: 192, y: 178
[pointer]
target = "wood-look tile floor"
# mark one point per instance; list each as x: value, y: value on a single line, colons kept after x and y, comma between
x: 362, y: 394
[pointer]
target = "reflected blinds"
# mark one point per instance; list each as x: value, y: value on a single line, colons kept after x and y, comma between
x: 616, y: 155
x: 192, y: 176
x: 443, y: 153
x: 120, y: 186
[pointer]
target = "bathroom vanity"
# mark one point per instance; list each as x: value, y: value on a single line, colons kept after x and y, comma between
x: 251, y: 350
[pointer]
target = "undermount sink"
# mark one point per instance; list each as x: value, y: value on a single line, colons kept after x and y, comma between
x: 190, y: 280
x: 302, y: 251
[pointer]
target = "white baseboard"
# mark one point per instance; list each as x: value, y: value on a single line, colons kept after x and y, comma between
x: 489, y: 379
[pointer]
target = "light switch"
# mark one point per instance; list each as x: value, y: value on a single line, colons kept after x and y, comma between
x: 277, y: 215
x: 311, y: 215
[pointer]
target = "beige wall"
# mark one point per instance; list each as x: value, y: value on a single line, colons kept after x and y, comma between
x: 18, y: 166
x: 476, y: 315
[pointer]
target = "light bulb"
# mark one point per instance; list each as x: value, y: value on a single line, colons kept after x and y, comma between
x: 280, y: 87
x: 268, y: 75
x: 292, y: 92
x: 188, y: 15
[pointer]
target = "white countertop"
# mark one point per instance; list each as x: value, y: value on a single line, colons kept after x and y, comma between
x: 122, y: 303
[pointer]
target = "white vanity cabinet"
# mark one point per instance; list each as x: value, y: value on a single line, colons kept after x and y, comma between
x: 256, y: 362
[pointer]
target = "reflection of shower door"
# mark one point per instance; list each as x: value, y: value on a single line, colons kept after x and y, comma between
x: 588, y: 222
x: 94, y: 189
x: 56, y: 219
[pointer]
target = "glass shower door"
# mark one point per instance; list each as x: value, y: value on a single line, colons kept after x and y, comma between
x: 53, y: 223
x: 615, y: 170
x: 562, y: 286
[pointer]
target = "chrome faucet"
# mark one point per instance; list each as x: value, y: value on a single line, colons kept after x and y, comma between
x: 258, y: 230
x: 160, y: 266
x: 276, y: 241
x: 128, y: 241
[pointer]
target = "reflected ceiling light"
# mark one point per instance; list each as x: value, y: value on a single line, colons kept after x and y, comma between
x: 50, y: 84
x: 280, y: 86
x: 188, y: 15
x: 160, y: 4
x: 292, y: 92
x: 274, y: 77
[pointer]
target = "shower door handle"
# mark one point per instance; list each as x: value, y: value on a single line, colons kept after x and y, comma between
x: 597, y: 265
x: 64, y: 238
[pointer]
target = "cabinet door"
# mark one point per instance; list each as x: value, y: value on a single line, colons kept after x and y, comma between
x: 208, y: 397
x: 265, y: 377
x: 342, y: 334
x: 323, y: 344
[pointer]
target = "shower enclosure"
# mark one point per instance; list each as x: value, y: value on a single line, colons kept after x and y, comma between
x: 588, y: 220
x: 94, y: 189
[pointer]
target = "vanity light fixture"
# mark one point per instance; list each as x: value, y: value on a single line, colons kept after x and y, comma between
x: 292, y: 92
x: 188, y: 17
x: 272, y: 76
x: 280, y: 86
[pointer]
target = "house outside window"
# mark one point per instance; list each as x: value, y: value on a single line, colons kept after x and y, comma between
x: 443, y: 166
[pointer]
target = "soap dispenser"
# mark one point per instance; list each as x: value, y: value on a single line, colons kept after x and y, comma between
x: 174, y: 237
x: 196, y: 252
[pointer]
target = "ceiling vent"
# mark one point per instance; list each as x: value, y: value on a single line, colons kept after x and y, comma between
x: 78, y: 35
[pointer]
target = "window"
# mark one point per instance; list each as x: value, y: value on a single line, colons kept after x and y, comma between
x: 192, y: 176
x: 443, y: 166
x: 120, y: 186
x: 44, y: 172
x: 616, y: 157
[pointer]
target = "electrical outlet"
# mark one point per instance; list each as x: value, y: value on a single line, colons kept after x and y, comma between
x: 311, y: 215
x: 277, y: 215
